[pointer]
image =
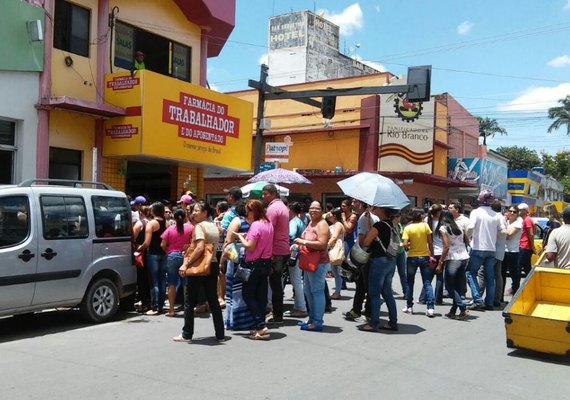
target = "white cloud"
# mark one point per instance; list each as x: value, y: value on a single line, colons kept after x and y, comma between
x: 537, y: 99
x: 263, y: 59
x: 567, y: 6
x: 560, y: 62
x: 464, y: 27
x: 349, y: 20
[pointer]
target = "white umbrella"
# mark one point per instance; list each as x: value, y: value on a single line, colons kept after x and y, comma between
x: 254, y: 189
x: 279, y: 175
x: 375, y: 190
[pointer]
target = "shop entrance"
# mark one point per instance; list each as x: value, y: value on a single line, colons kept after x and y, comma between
x: 153, y: 181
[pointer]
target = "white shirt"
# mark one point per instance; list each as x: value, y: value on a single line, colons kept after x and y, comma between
x: 365, y: 222
x: 513, y: 243
x: 501, y: 240
x: 559, y: 243
x: 485, y: 225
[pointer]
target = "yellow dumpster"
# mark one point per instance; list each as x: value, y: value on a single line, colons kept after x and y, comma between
x: 538, y: 316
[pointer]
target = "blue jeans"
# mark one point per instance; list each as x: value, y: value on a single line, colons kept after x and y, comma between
x: 173, y: 262
x: 254, y: 292
x: 487, y: 260
x: 454, y: 273
x: 157, y: 269
x: 337, y: 278
x: 427, y: 273
x: 402, y: 271
x: 314, y: 287
x: 296, y: 277
x: 381, y: 272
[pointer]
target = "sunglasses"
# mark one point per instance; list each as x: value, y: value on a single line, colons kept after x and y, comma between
x: 513, y: 211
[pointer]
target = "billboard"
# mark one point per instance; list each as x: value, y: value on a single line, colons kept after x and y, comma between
x: 406, y: 135
x: 487, y: 173
x: 289, y: 30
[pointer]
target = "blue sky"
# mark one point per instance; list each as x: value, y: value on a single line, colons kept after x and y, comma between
x: 508, y: 60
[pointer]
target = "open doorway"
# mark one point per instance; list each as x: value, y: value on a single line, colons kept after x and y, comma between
x: 153, y: 181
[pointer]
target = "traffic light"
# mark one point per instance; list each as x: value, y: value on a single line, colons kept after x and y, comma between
x: 328, y: 105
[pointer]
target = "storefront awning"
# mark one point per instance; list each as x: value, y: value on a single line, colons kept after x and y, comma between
x: 430, y: 179
x: 82, y: 106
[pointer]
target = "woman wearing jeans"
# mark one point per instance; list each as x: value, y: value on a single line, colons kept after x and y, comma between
x: 315, y: 238
x: 258, y: 244
x: 381, y: 271
x: 155, y: 258
x: 456, y: 259
x: 296, y: 228
x: 418, y: 241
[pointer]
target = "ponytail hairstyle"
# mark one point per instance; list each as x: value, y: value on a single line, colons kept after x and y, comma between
x: 179, y: 216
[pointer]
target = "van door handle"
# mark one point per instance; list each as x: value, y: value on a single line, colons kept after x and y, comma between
x: 26, y: 255
x: 49, y: 254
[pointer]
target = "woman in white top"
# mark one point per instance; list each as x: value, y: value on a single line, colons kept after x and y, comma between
x: 455, y: 258
x: 510, y: 261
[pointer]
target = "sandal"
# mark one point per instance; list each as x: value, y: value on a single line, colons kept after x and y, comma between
x: 367, y: 328
x: 170, y: 314
x: 336, y: 296
x: 295, y: 314
x: 258, y: 336
x: 151, y: 312
x: 181, y: 339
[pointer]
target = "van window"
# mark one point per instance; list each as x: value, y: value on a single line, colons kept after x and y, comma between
x: 112, y: 216
x: 14, y: 223
x: 64, y: 217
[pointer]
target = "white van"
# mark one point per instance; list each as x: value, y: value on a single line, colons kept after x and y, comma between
x: 65, y: 244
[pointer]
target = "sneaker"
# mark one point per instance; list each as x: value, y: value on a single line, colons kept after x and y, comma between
x: 430, y: 313
x: 463, y: 314
x: 477, y: 306
x: 450, y: 315
x: 351, y: 315
x: 407, y: 310
x: 181, y: 339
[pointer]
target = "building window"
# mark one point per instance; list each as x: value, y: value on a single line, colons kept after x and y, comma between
x: 161, y: 54
x: 64, y: 164
x: 7, y: 151
x: 71, y: 28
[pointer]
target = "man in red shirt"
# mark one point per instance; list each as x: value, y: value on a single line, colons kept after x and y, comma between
x: 526, y: 242
x: 278, y: 215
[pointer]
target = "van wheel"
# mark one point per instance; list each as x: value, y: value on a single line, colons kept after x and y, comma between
x: 101, y: 301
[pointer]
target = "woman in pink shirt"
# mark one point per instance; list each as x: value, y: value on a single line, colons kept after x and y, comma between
x: 258, y: 244
x: 173, y: 240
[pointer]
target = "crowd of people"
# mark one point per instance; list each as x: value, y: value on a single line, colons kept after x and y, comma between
x: 279, y: 242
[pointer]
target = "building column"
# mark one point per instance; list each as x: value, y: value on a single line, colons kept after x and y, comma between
x: 204, y: 57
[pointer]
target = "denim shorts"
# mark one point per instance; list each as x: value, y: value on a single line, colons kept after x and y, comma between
x: 173, y: 262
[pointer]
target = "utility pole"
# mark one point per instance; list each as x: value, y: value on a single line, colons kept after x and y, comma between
x: 260, y: 110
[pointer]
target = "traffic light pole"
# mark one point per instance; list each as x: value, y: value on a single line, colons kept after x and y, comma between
x: 260, y: 110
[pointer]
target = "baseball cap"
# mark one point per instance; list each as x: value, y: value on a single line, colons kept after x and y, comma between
x: 138, y: 200
x: 523, y: 206
x: 235, y: 191
x: 566, y: 211
x: 186, y: 199
x: 486, y: 197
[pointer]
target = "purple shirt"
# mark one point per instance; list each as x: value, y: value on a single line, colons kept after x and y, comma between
x: 278, y: 214
x: 262, y: 232
x: 176, y: 241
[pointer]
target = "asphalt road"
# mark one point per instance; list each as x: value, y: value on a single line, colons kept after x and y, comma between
x: 55, y: 355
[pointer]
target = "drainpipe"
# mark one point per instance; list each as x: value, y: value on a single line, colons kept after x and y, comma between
x: 42, y: 143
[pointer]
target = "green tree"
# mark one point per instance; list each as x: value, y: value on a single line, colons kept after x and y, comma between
x: 489, y: 127
x: 520, y: 157
x: 561, y: 115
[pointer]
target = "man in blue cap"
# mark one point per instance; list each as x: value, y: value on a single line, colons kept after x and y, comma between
x: 136, y: 206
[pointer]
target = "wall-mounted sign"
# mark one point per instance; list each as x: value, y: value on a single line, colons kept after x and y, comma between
x: 277, y: 152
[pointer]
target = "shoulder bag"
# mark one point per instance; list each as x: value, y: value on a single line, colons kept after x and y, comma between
x: 309, y: 259
x: 336, y: 254
x: 201, y: 265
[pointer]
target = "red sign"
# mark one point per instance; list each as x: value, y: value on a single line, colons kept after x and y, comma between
x: 122, y: 83
x: 122, y: 131
x: 200, y: 119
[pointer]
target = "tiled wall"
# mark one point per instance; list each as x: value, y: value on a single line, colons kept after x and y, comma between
x: 111, y: 173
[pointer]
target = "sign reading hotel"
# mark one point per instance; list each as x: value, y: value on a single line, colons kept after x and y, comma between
x: 168, y: 119
x: 288, y: 30
x: 406, y: 135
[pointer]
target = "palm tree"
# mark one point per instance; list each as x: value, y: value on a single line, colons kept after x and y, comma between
x: 489, y: 127
x: 561, y: 114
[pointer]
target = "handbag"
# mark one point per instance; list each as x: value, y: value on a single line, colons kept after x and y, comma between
x: 242, y: 273
x: 201, y: 265
x: 309, y: 259
x: 230, y: 252
x: 336, y: 254
x: 139, y: 259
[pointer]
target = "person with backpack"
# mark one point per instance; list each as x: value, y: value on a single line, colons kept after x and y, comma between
x: 384, y: 244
